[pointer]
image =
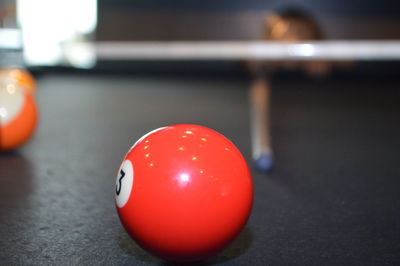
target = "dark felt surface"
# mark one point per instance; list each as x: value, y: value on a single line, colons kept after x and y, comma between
x: 332, y: 199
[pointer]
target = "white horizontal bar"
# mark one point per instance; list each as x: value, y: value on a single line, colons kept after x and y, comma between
x: 238, y: 50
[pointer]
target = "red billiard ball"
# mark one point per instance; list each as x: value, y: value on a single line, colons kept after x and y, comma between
x: 184, y: 192
x: 18, y: 115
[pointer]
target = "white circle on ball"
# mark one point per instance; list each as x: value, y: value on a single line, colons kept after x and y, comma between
x: 123, y: 184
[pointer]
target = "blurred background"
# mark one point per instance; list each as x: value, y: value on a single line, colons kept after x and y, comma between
x: 61, y: 32
x: 240, y: 20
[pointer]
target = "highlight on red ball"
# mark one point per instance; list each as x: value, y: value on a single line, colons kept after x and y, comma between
x: 183, y: 192
x: 18, y: 114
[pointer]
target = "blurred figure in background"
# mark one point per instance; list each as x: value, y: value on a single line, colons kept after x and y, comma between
x: 290, y: 25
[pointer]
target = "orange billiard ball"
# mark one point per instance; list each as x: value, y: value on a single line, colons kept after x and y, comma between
x: 21, y: 76
x: 18, y: 115
x: 183, y: 192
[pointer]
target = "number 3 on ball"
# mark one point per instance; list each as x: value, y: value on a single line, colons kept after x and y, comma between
x: 123, y: 184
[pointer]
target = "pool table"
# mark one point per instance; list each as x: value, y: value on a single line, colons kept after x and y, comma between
x: 332, y: 198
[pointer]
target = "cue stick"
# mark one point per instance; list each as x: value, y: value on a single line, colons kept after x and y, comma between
x: 260, y: 124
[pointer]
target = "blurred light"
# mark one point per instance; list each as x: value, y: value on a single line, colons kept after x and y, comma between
x: 10, y: 39
x: 48, y: 25
x: 302, y: 50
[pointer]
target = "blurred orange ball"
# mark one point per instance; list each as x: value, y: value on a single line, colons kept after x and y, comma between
x: 18, y: 115
x: 22, y: 77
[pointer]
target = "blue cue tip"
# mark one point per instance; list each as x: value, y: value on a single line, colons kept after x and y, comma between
x: 264, y: 163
